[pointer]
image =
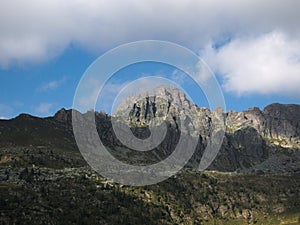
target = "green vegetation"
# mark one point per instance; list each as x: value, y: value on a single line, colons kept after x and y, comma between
x: 79, y: 196
x: 44, y: 180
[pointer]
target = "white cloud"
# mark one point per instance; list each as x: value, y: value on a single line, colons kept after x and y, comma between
x: 262, y: 56
x: 266, y: 64
x: 52, y: 85
x: 44, y: 109
x: 3, y: 118
x: 203, y: 72
x: 36, y: 30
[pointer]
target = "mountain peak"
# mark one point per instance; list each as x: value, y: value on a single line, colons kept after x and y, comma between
x: 162, y: 102
x: 63, y: 115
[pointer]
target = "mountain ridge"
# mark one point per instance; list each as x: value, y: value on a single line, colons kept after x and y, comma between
x: 253, y: 137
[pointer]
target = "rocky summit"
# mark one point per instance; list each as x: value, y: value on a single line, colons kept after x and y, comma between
x: 254, y: 178
x: 253, y: 139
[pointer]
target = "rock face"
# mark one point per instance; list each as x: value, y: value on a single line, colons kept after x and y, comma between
x: 160, y: 104
x: 63, y: 116
x: 251, y: 136
x: 279, y: 124
x: 168, y: 104
x: 241, y: 149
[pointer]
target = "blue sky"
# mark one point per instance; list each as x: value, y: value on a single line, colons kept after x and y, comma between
x: 46, y: 48
x: 42, y: 89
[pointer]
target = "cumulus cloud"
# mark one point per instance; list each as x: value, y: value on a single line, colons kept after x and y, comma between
x: 262, y: 56
x: 44, y: 109
x: 36, y: 30
x: 265, y: 64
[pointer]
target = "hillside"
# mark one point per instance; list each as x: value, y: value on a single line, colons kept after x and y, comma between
x: 255, y: 178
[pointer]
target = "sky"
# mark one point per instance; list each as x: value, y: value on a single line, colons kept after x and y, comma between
x: 253, y: 48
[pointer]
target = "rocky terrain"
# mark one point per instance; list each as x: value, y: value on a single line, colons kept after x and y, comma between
x: 263, y: 141
x: 255, y: 178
